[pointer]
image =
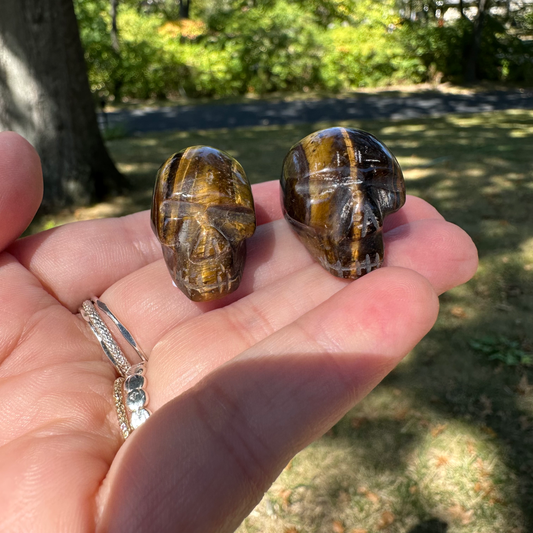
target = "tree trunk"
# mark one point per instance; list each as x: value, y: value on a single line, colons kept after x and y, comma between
x: 45, y: 96
x: 475, y: 44
x: 114, y: 30
x: 117, y: 75
x: 184, y: 8
x: 462, y: 9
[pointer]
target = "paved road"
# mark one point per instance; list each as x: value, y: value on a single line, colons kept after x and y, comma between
x: 362, y: 106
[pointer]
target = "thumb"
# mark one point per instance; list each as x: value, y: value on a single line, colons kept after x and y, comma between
x: 21, y: 186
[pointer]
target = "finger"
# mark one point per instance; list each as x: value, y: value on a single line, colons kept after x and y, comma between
x: 80, y: 260
x: 21, y: 187
x: 414, y: 209
x: 280, y: 279
x: 226, y: 440
x: 440, y: 251
x: 30, y: 321
x: 266, y: 202
x: 274, y: 251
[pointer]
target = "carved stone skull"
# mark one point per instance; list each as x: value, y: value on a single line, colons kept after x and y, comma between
x: 337, y: 187
x: 202, y: 212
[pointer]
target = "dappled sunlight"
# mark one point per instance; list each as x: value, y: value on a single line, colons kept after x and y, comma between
x: 137, y: 168
x: 527, y: 246
x: 447, y: 435
x: 393, y: 456
x: 468, y: 463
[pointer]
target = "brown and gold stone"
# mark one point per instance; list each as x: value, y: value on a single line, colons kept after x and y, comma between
x: 202, y: 213
x: 338, y: 185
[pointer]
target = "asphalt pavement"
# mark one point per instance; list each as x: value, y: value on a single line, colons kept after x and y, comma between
x: 360, y: 107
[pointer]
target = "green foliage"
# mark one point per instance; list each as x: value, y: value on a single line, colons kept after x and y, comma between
x: 365, y: 56
x: 444, y: 48
x: 261, y: 46
x: 271, y: 48
x: 502, y: 349
x: 438, y: 48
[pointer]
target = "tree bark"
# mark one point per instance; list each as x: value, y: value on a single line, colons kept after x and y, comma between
x: 45, y: 96
x: 462, y: 9
x: 114, y: 29
x: 475, y: 44
x: 117, y: 75
x: 184, y: 8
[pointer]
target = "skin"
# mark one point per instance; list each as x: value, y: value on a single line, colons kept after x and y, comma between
x: 237, y: 386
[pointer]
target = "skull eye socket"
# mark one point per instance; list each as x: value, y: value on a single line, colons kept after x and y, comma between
x: 174, y: 214
x: 234, y: 222
x: 386, y: 200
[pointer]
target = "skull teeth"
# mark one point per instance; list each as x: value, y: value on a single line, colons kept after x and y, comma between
x: 367, y: 265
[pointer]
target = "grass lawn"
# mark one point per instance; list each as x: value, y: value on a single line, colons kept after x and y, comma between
x: 445, y: 443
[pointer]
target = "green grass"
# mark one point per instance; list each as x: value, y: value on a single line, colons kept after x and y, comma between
x: 445, y: 443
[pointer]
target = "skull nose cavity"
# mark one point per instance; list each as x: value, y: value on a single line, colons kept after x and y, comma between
x: 369, y: 221
x: 209, y: 244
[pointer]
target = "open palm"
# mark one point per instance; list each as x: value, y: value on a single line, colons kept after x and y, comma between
x: 237, y: 386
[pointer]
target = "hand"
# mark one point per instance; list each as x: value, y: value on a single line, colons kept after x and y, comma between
x: 237, y: 386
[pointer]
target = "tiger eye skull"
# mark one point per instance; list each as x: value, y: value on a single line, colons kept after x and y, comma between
x: 202, y: 214
x: 337, y: 187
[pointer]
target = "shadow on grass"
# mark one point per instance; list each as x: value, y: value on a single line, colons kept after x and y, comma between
x: 482, y: 180
x: 477, y: 171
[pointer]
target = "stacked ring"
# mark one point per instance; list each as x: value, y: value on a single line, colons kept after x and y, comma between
x: 136, y: 397
x: 129, y: 392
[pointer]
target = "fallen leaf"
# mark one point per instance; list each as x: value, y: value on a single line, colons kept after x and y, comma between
x: 442, y: 460
x: 290, y: 530
x: 358, y: 530
x: 523, y: 386
x: 413, y: 489
x: 357, y: 421
x: 338, y: 527
x: 458, y: 512
x: 437, y: 430
x: 458, y: 312
x: 486, y: 402
x: 285, y: 497
x: 471, y: 447
x: 386, y: 519
x: 480, y: 465
x: 401, y: 413
x: 343, y: 497
x: 374, y: 498
x: 489, y: 431
x: 486, y: 488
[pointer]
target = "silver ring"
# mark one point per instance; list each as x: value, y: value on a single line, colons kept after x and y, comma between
x: 136, y: 397
x: 105, y: 338
x: 123, y: 330
x: 129, y: 390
